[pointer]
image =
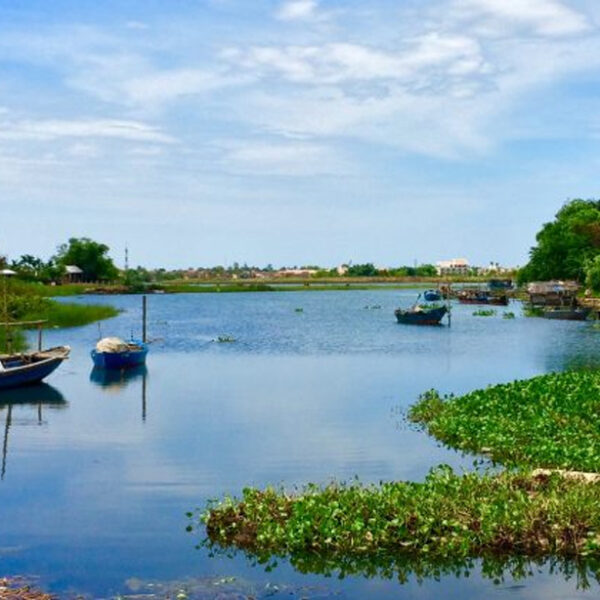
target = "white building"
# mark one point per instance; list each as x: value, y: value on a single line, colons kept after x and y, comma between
x: 454, y: 266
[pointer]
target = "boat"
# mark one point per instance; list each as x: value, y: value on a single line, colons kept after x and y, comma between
x: 30, y: 367
x: 421, y: 314
x: 114, y: 353
x: 482, y: 297
x: 432, y: 295
x: 578, y: 313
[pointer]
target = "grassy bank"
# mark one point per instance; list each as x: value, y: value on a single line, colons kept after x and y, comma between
x: 59, y: 314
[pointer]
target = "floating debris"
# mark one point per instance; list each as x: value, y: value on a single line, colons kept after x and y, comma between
x: 299, y: 310
x: 225, y: 339
x: 19, y: 588
x: 508, y: 315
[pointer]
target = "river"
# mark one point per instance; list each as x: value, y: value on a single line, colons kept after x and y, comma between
x: 97, y: 474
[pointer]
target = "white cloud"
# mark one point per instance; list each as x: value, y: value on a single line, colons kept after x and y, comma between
x: 297, y: 10
x: 338, y: 62
x: 543, y: 17
x: 52, y: 129
x: 281, y: 158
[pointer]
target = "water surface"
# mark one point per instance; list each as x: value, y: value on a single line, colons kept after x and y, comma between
x: 98, y: 473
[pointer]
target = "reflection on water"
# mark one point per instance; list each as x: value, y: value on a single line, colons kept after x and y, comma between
x: 25, y: 400
x: 301, y: 397
x: 117, y: 379
x: 404, y: 568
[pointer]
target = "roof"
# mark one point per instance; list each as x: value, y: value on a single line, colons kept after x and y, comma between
x: 548, y: 287
x: 73, y: 270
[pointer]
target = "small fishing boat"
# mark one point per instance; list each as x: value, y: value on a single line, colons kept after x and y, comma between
x: 30, y: 367
x: 432, y: 295
x: 482, y: 297
x: 578, y: 313
x: 421, y: 315
x: 114, y: 353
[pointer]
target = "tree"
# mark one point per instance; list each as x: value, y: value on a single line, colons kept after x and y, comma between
x: 565, y: 245
x: 366, y: 270
x: 91, y: 257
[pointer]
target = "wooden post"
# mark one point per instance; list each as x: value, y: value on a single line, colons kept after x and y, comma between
x: 40, y: 337
x: 144, y: 318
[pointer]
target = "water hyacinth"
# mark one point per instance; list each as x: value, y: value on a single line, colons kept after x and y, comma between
x: 448, y: 515
x: 547, y: 421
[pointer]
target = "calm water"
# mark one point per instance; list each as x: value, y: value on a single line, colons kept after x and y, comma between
x: 97, y: 475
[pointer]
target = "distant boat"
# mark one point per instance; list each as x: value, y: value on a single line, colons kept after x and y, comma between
x: 421, y: 315
x: 432, y: 295
x: 482, y: 297
x: 114, y: 353
x: 31, y: 367
x: 578, y: 313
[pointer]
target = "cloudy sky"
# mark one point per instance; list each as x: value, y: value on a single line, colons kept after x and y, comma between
x: 202, y: 132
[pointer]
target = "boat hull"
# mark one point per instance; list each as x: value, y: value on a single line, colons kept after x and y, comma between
x: 424, y: 317
x: 120, y: 360
x: 28, y: 369
x: 568, y: 314
x: 492, y: 300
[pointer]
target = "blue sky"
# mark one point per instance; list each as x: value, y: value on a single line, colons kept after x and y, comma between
x: 296, y: 131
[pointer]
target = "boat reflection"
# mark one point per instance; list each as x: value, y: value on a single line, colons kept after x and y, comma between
x: 117, y: 378
x: 36, y: 396
x: 113, y: 380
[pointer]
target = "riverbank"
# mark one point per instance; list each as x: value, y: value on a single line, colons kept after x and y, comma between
x: 540, y: 422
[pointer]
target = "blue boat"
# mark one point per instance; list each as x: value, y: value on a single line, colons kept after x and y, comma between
x: 28, y: 368
x: 432, y: 295
x: 421, y: 315
x: 113, y: 353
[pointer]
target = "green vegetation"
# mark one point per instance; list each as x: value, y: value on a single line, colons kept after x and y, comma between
x: 508, y: 315
x: 59, y: 314
x: 449, y: 515
x: 567, y: 246
x: 398, y: 527
x: 90, y: 256
x: 548, y: 421
x: 484, y: 312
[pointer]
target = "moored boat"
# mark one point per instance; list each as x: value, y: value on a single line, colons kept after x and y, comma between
x: 432, y: 295
x: 482, y: 297
x: 30, y: 367
x: 578, y: 313
x: 421, y: 315
x: 114, y: 353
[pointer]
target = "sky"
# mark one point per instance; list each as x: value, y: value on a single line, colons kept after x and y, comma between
x: 295, y: 132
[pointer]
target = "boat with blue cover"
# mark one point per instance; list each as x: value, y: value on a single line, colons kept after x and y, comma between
x: 432, y: 295
x: 114, y: 353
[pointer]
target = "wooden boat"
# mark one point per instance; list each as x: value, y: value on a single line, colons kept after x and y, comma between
x: 114, y: 353
x: 421, y: 315
x: 432, y: 295
x: 482, y: 297
x: 30, y: 367
x: 578, y: 313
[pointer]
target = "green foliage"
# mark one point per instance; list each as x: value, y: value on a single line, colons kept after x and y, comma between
x: 484, y: 312
x: 548, y: 421
x: 566, y: 244
x: 448, y: 515
x: 61, y: 314
x: 90, y: 256
x: 365, y: 270
x: 592, y: 273
x: 508, y: 315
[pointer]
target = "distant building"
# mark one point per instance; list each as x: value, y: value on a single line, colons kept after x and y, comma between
x: 73, y: 274
x: 454, y: 266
